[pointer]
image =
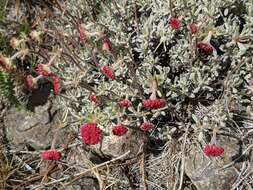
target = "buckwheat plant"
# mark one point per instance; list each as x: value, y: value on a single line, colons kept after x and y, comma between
x: 189, y: 54
x: 146, y: 42
x: 183, y: 66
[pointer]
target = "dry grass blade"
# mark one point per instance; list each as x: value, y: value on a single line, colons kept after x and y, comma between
x: 6, y: 170
x: 78, y: 175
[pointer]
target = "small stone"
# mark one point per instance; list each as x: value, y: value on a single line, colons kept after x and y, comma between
x: 34, y: 129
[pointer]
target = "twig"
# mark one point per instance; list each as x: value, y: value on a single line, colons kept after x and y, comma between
x: 239, y: 182
x: 29, y: 168
x: 143, y: 171
x: 136, y: 18
x: 183, y: 160
x: 30, y: 180
x: 38, y: 152
x: 238, y: 158
x: 155, y: 185
x: 76, y: 176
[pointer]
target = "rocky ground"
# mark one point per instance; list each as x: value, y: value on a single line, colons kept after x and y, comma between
x: 120, y: 161
x: 207, y: 93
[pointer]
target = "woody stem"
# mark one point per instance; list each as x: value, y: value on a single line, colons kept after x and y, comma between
x: 213, y: 140
x: 55, y: 138
x: 153, y: 89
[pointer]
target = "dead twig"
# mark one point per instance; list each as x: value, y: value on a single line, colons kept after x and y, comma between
x: 78, y: 175
x: 183, y: 160
x: 238, y: 158
x: 143, y: 172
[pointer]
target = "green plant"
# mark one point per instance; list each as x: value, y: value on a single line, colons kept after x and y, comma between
x: 7, y: 88
x: 184, y: 69
x: 6, y: 170
x: 3, y: 9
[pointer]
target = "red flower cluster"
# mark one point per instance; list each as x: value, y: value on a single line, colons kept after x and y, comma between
x: 6, y: 64
x: 34, y: 35
x: 213, y: 150
x: 205, y: 47
x: 147, y: 126
x: 82, y: 33
x: 51, y: 155
x: 119, y: 130
x: 43, y: 70
x: 31, y: 82
x: 91, y: 134
x: 95, y: 99
x: 108, y: 72
x: 3, y: 63
x: 125, y: 103
x: 56, y: 83
x: 251, y: 82
x: 193, y: 28
x: 175, y: 23
x: 154, y: 103
x: 107, y: 45
x: 14, y: 43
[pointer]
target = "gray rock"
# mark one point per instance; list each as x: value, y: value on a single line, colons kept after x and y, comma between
x: 115, y: 146
x: 79, y: 159
x: 206, y: 173
x: 35, y: 129
x: 84, y: 184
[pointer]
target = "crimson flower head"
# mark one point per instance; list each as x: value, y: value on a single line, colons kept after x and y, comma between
x: 51, y: 155
x: 154, y: 103
x: 95, y: 99
x: 251, y: 82
x: 125, y: 103
x: 108, y: 72
x: 213, y: 150
x: 5, y: 63
x: 44, y: 70
x: 119, y: 130
x: 205, y: 48
x: 2, y: 61
x: 147, y: 126
x: 91, y: 134
x: 193, y: 28
x: 175, y: 23
x: 31, y: 82
x: 107, y: 45
x: 56, y: 83
x: 34, y: 35
x: 14, y: 43
x: 82, y: 33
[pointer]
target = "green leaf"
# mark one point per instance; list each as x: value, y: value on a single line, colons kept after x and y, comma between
x: 194, y: 117
x: 25, y: 28
x: 7, y: 88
